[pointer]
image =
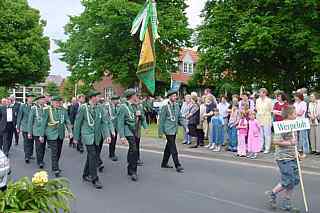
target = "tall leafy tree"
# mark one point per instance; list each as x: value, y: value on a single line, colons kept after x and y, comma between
x: 100, y: 42
x: 68, y: 88
x: 269, y: 43
x: 24, y: 56
x: 52, y: 89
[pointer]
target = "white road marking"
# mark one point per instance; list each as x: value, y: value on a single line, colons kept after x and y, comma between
x: 222, y: 161
x: 228, y: 202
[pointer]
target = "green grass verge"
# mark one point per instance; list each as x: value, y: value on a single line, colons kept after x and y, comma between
x: 152, y: 132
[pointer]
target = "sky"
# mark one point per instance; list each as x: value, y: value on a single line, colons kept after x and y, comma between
x: 57, y: 13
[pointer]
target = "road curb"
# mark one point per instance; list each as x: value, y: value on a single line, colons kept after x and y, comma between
x: 229, y: 158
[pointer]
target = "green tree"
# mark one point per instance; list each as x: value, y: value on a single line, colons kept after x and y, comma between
x: 3, y: 92
x: 68, y: 89
x: 268, y: 43
x: 100, y: 41
x: 52, y: 89
x: 24, y: 56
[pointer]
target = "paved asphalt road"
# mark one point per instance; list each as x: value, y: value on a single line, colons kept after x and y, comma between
x: 208, y: 186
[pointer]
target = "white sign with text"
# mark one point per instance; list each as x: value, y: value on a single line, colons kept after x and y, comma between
x: 291, y: 125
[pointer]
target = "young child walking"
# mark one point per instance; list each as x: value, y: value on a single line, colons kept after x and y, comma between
x: 242, y: 134
x: 254, y: 142
x: 287, y: 163
x: 232, y: 128
x: 217, y: 133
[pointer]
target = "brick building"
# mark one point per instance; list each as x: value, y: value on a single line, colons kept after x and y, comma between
x: 108, y: 88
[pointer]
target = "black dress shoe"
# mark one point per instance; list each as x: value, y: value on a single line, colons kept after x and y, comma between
x: 97, y: 184
x: 100, y: 168
x: 41, y: 165
x: 27, y: 160
x: 166, y: 166
x: 57, y: 173
x: 139, y: 163
x: 134, y: 177
x: 87, y: 178
x: 194, y: 147
x: 114, y: 158
x: 180, y: 169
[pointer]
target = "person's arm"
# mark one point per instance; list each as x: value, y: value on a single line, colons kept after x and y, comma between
x: 30, y: 121
x: 78, y: 123
x: 121, y: 122
x: 67, y: 123
x: 282, y: 142
x: 44, y: 123
x: 162, y: 118
x: 144, y: 120
x: 20, y: 116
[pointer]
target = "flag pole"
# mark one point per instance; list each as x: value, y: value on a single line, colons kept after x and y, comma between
x: 301, y: 181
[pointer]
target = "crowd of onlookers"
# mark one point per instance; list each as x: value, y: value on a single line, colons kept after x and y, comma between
x: 243, y: 124
x: 240, y: 123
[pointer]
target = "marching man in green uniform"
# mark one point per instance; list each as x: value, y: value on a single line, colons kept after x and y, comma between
x: 93, y: 128
x: 170, y: 118
x: 111, y: 132
x: 55, y: 122
x: 129, y: 129
x: 35, y: 125
x: 112, y: 110
x: 22, y: 126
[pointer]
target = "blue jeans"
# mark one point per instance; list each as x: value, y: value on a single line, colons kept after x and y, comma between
x: 303, y: 141
x: 233, y: 138
x: 217, y: 135
x: 187, y: 137
x: 289, y: 173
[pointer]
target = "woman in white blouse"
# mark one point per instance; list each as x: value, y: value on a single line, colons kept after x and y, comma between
x: 314, y: 116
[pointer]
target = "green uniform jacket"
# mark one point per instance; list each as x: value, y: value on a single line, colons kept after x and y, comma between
x: 128, y: 124
x: 54, y: 132
x: 91, y: 125
x: 23, y: 115
x: 35, y: 121
x: 168, y: 124
x: 111, y: 116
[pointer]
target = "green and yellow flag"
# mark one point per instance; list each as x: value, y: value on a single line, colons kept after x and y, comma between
x: 147, y: 22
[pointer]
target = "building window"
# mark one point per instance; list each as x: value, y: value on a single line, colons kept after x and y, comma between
x: 188, y: 68
x: 109, y: 92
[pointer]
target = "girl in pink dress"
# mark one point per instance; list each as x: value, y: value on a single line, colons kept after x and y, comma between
x: 242, y: 134
x: 254, y: 144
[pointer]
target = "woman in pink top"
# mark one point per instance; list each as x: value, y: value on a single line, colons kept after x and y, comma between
x: 301, y: 110
x: 254, y: 142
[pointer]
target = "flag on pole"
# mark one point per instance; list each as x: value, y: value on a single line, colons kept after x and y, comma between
x: 147, y: 22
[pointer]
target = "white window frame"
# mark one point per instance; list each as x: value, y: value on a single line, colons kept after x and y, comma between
x: 108, y: 91
x: 187, y: 68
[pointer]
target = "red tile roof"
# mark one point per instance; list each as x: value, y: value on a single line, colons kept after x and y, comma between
x: 181, y: 77
x: 194, y: 54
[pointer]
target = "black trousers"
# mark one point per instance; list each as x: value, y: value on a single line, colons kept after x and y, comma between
x: 90, y: 168
x: 16, y: 135
x: 138, y: 146
x: 8, y: 138
x: 56, y: 148
x: 112, y: 145
x: 200, y: 137
x: 28, y: 145
x: 2, y: 139
x: 171, y: 150
x: 133, y: 155
x: 99, y: 150
x: 40, y: 149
